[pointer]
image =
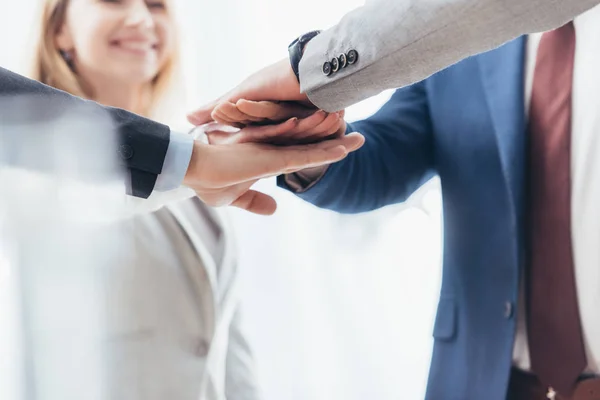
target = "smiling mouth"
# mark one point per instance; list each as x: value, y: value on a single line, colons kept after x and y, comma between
x: 135, y: 46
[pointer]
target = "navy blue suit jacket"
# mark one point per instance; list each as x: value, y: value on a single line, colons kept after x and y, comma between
x: 465, y: 124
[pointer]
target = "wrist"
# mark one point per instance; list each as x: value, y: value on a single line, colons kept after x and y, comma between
x: 288, y: 85
x: 198, y: 155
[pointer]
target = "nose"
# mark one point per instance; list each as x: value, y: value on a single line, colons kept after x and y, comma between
x: 139, y: 15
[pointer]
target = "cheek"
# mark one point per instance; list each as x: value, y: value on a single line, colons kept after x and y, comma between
x: 166, y: 34
x: 91, y: 43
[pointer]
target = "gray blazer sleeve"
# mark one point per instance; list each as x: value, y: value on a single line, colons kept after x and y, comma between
x: 400, y: 42
x: 141, y: 143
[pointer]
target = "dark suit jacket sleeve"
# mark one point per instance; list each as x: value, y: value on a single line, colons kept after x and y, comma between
x: 142, y: 143
x: 397, y: 158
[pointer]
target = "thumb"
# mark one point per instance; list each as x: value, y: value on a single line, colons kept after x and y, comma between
x: 203, y: 115
x: 256, y: 202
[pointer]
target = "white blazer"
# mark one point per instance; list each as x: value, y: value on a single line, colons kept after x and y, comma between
x: 174, y: 318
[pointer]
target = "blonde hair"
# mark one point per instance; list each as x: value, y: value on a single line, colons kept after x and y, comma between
x: 52, y: 68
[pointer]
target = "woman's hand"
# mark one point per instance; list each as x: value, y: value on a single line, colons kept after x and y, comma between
x: 273, y: 123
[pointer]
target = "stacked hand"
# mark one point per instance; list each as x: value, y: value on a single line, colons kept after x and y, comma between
x: 274, y: 123
x: 276, y: 82
x: 250, y: 140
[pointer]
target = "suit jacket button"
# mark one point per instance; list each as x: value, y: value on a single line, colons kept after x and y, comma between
x: 126, y: 151
x: 327, y: 68
x: 335, y: 65
x: 202, y: 348
x: 352, y: 56
x: 508, y: 310
x: 343, y: 61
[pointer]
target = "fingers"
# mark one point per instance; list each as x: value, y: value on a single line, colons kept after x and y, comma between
x: 300, y: 132
x: 307, y: 124
x: 315, y: 128
x: 310, y: 126
x: 266, y: 132
x: 233, y: 114
x: 293, y: 158
x: 327, y: 127
x: 220, y: 117
x: 273, y: 111
x: 253, y: 133
x: 352, y: 141
x: 275, y: 82
x: 256, y: 202
x: 292, y: 131
x: 202, y: 115
x: 284, y: 133
x: 246, y: 111
x: 239, y: 163
x: 232, y: 178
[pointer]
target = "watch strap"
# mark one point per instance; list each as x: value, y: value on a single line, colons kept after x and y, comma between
x: 296, y: 49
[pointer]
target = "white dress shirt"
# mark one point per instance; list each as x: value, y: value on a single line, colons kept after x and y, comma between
x: 585, y: 186
x: 177, y: 160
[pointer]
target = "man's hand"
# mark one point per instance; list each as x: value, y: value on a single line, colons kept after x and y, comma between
x: 275, y: 83
x: 247, y: 112
x: 222, y: 174
x: 315, y: 127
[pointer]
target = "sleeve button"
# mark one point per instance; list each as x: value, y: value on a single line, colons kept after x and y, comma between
x: 126, y: 151
x: 335, y: 65
x: 343, y: 61
x: 202, y: 348
x: 352, y: 57
x: 327, y: 68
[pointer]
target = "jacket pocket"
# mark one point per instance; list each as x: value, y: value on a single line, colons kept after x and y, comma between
x: 445, y: 321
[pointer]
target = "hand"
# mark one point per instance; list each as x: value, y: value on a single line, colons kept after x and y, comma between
x: 314, y: 128
x: 222, y: 174
x: 275, y: 83
x: 247, y: 112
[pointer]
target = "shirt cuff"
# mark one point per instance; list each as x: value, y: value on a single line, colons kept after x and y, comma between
x: 301, y: 181
x: 177, y: 161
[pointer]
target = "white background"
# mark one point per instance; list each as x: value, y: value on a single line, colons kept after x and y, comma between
x: 337, y: 307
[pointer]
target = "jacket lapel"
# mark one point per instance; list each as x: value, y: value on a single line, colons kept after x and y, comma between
x: 502, y: 72
x: 189, y: 218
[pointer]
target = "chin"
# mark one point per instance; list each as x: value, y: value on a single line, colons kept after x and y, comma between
x: 137, y: 76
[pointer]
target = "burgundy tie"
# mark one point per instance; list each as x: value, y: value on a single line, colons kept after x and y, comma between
x: 554, y: 327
